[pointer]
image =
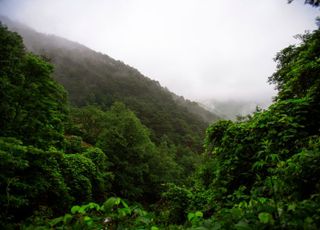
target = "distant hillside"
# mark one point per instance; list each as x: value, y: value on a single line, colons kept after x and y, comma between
x: 230, y: 109
x: 94, y: 78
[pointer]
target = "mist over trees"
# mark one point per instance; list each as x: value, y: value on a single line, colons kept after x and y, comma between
x: 87, y: 142
x: 94, y: 78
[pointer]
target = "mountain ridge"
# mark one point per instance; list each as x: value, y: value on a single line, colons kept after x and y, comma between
x: 91, y: 77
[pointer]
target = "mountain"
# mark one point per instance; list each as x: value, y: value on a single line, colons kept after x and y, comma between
x: 91, y: 77
x: 230, y: 109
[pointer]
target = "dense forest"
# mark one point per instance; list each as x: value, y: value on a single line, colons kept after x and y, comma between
x: 90, y: 143
x: 92, y: 78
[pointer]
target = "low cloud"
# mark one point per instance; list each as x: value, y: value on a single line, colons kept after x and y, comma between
x: 198, y: 49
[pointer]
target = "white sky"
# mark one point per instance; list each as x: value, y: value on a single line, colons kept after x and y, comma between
x: 199, y: 49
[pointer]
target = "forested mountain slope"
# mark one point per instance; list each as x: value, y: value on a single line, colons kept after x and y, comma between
x: 66, y: 167
x: 94, y: 78
x: 46, y: 167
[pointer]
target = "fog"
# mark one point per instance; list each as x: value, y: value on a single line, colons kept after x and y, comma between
x: 200, y: 49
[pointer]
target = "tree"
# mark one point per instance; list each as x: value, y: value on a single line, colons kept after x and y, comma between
x: 127, y: 144
x: 88, y: 122
x: 30, y: 178
x: 263, y: 171
x: 32, y: 105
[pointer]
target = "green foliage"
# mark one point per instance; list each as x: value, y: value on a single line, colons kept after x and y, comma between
x: 32, y: 105
x: 33, y: 180
x: 139, y: 167
x: 92, y: 78
x: 163, y: 165
x: 24, y: 188
x: 68, y: 178
x: 83, y: 178
x: 176, y: 202
x: 35, y: 111
x: 35, y: 177
x: 195, y: 217
x: 103, y: 176
x: 74, y: 144
x: 296, y: 75
x: 113, y: 214
x: 88, y: 122
x: 127, y: 144
x: 263, y: 171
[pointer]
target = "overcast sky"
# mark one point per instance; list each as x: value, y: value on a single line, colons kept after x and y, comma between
x: 199, y: 49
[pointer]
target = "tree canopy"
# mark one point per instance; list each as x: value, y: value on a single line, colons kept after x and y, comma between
x: 31, y: 101
x: 260, y: 172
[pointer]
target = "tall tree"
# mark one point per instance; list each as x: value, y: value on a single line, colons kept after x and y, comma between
x: 128, y: 146
x: 32, y: 105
